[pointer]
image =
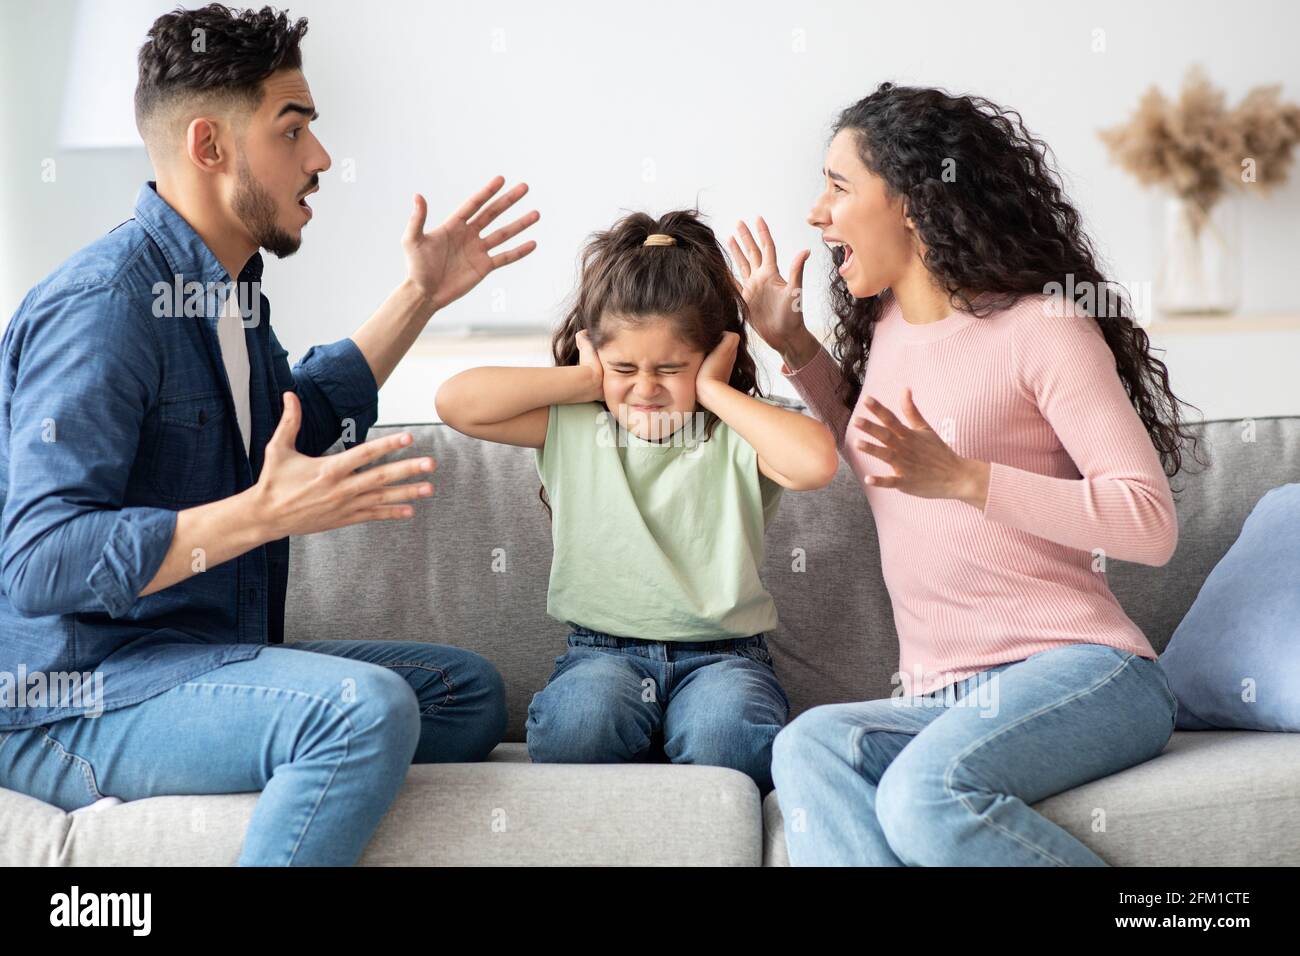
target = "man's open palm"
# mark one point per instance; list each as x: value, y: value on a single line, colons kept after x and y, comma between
x: 448, y: 261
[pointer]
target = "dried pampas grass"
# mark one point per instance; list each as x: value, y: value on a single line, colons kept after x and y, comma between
x: 1198, y: 146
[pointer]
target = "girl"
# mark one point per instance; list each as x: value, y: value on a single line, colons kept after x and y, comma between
x: 662, y: 468
x: 1010, y: 435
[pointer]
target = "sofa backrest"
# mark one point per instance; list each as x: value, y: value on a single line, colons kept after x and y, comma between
x: 471, y: 568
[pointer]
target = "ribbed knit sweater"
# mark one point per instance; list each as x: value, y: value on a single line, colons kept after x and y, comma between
x: 1074, y: 482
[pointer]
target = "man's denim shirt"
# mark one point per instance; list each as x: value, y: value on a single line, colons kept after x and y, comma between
x: 117, y: 414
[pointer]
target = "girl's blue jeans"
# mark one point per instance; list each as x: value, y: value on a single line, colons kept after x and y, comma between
x: 947, y: 778
x: 621, y: 699
x: 326, y: 730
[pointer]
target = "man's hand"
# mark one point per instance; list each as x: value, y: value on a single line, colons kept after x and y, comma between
x: 447, y: 262
x: 442, y: 265
x: 296, y: 494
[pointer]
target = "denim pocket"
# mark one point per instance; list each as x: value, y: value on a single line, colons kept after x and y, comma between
x: 190, y: 454
x: 754, y: 650
x: 35, y: 764
x: 557, y: 666
x: 575, y: 652
x: 581, y: 637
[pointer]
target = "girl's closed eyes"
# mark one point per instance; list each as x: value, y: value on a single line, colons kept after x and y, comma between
x: 649, y: 375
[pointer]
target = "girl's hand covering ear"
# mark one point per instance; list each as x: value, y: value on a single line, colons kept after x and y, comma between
x: 587, y: 358
x: 717, y: 365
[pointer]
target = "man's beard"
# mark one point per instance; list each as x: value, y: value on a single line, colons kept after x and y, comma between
x: 256, y: 209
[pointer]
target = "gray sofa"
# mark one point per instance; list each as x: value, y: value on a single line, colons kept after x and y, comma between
x: 1212, y: 798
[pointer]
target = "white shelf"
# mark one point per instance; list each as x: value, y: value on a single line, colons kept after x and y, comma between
x: 448, y: 344
x: 1222, y: 324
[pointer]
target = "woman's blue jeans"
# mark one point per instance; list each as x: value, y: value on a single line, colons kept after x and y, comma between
x: 324, y: 729
x: 948, y: 778
x: 621, y: 699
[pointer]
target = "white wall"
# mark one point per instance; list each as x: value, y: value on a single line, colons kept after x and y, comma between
x: 605, y: 106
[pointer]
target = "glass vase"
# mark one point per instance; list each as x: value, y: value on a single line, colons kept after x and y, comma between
x: 1200, y: 269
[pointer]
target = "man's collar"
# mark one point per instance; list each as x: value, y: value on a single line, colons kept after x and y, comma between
x: 186, y: 253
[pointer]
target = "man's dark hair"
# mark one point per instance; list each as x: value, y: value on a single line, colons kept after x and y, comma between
x: 214, y: 53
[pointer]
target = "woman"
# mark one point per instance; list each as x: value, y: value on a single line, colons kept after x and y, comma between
x: 1013, y: 432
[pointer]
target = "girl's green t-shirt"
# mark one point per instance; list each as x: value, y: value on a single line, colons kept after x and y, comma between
x: 655, y: 540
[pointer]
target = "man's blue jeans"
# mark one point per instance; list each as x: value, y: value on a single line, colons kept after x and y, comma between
x: 947, y: 778
x: 324, y: 729
x: 622, y: 699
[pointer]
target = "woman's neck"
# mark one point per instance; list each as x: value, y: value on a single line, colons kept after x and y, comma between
x: 921, y: 300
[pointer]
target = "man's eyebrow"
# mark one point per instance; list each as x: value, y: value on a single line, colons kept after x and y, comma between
x: 832, y: 174
x: 307, y: 111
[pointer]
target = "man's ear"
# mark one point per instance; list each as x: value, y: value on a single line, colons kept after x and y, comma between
x: 203, y: 144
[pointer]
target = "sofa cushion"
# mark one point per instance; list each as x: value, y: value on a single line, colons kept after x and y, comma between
x: 502, y: 811
x: 1234, y: 661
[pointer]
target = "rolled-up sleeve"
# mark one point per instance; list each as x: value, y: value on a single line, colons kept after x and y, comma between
x: 338, y: 393
x: 83, y: 370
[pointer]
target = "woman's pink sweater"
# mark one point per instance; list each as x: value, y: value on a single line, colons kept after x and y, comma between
x: 1074, y: 483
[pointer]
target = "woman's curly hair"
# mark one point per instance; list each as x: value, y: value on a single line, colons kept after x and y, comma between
x: 1000, y: 229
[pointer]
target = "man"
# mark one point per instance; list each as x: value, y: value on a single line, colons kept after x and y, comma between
x: 149, y: 494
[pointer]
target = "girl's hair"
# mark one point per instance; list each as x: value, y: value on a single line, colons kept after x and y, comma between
x: 624, y: 282
x: 1001, y: 229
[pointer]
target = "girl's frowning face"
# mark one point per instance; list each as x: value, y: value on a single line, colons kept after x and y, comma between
x: 649, y: 375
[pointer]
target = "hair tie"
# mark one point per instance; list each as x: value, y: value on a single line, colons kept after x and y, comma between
x: 659, y: 239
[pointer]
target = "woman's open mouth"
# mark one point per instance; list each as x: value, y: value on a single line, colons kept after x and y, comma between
x: 841, y: 255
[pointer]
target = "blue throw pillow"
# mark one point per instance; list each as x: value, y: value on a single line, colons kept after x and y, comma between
x: 1234, y: 661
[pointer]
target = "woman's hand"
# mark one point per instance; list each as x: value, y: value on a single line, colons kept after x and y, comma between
x: 717, y: 366
x: 588, y: 359
x: 445, y: 263
x: 775, y: 306
x: 923, y: 463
